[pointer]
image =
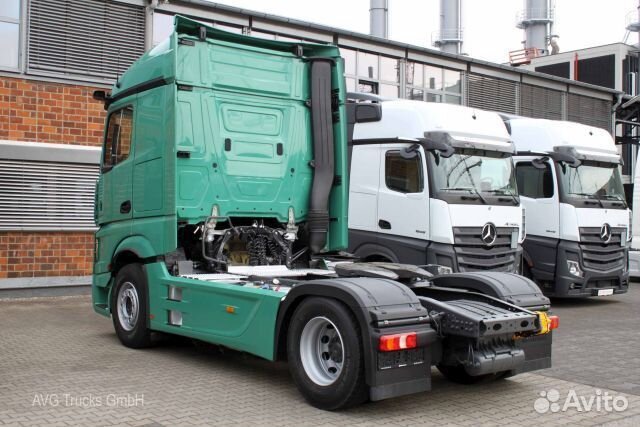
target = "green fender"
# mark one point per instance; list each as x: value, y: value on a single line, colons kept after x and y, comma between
x: 138, y: 245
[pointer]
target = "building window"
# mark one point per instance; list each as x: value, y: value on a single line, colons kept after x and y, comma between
x: 117, y: 144
x: 403, y: 175
x: 95, y: 39
x: 47, y: 186
x: 10, y: 34
x: 371, y: 73
x: 433, y: 84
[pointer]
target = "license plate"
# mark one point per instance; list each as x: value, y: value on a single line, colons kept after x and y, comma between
x: 604, y: 292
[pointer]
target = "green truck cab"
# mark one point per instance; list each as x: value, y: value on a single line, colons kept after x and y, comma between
x: 222, y: 211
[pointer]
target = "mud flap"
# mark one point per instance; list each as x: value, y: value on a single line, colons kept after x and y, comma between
x: 537, y: 353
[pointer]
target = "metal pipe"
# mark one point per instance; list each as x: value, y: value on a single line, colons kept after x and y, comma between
x: 379, y: 18
x: 450, y: 38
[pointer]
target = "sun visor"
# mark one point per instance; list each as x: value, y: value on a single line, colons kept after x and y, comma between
x: 590, y: 154
x: 472, y: 141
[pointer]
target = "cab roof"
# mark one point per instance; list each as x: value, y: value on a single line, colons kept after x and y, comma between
x: 163, y: 62
x: 545, y: 136
x: 407, y: 119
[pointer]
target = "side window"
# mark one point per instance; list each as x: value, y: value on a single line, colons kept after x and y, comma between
x: 533, y: 182
x: 117, y: 144
x: 403, y: 175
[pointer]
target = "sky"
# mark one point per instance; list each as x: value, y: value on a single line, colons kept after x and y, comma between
x: 489, y: 25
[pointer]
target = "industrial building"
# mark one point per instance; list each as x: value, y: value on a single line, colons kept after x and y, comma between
x: 56, y: 53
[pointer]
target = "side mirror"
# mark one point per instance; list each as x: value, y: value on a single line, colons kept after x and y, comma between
x: 367, y: 112
x: 567, y: 155
x: 567, y: 159
x: 409, y: 152
x: 361, y: 112
x: 540, y: 163
x: 438, y: 141
x: 100, y: 95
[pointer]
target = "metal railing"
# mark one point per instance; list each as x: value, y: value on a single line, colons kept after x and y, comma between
x: 523, y: 56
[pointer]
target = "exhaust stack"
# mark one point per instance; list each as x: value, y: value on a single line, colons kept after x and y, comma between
x: 450, y: 37
x: 379, y: 18
x: 537, y: 21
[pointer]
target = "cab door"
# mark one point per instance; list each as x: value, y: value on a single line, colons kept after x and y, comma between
x: 403, y: 195
x: 115, y: 188
x: 539, y: 197
x: 363, y: 188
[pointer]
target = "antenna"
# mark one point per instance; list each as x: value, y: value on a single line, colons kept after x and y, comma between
x: 118, y: 69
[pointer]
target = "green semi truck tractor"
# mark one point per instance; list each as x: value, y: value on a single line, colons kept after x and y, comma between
x: 222, y: 211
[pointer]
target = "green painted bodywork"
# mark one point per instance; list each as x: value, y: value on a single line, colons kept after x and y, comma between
x: 204, y: 305
x: 208, y: 128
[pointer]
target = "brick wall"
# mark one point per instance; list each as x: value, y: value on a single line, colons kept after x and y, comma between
x: 38, y: 111
x: 32, y: 110
x: 44, y: 253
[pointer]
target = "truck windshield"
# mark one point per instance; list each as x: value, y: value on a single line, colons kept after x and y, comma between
x: 474, y: 175
x: 591, y: 181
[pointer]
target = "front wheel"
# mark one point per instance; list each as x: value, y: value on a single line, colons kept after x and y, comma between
x: 129, y: 308
x: 325, y: 355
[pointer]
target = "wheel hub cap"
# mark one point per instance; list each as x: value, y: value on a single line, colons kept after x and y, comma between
x: 128, y: 306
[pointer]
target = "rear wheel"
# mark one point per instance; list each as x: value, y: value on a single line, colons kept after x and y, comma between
x: 129, y: 308
x: 325, y: 354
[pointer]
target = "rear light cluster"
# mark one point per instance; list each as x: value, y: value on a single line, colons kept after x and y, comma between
x: 547, y: 322
x: 398, y: 341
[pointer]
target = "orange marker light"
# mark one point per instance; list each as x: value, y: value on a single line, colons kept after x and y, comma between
x: 554, y: 322
x: 230, y: 309
x: 398, y: 341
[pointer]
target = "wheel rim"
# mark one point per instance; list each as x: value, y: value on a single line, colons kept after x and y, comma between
x: 321, y: 351
x: 128, y: 306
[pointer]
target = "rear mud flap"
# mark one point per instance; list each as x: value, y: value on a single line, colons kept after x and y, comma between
x: 537, y: 353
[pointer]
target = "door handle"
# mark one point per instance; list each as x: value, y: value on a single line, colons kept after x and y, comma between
x: 125, y: 207
x: 385, y: 225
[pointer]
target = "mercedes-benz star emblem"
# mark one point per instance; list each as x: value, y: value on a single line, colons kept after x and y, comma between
x: 489, y: 234
x: 605, y: 233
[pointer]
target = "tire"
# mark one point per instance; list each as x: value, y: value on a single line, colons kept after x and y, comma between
x: 130, y: 307
x: 325, y: 354
x: 459, y: 375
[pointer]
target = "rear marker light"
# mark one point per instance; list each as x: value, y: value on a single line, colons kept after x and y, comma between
x: 554, y: 322
x: 398, y: 341
x: 547, y: 322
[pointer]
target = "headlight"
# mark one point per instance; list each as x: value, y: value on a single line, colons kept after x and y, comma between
x: 438, y: 270
x: 574, y: 268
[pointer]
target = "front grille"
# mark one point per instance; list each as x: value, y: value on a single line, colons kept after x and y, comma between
x: 596, y: 254
x: 474, y: 255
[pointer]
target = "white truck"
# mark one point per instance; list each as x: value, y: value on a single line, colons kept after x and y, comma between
x: 435, y: 184
x: 578, y: 222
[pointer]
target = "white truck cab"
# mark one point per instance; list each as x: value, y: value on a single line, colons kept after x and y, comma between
x: 578, y: 221
x: 435, y: 184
